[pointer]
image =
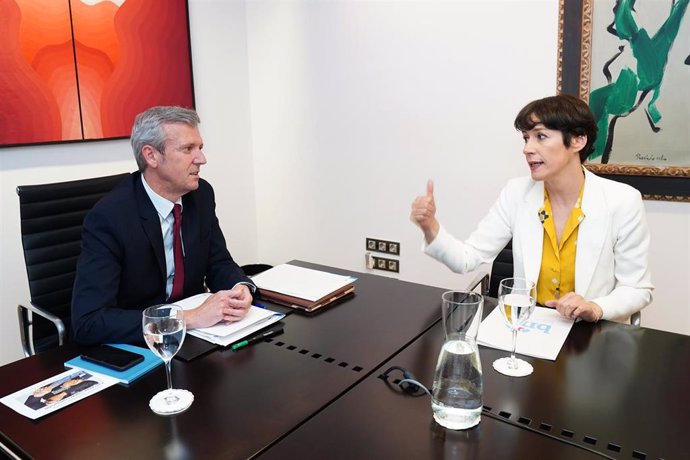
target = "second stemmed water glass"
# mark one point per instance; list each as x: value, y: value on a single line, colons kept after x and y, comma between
x: 517, y: 298
x: 164, y: 331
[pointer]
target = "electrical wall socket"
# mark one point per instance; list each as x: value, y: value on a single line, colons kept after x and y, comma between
x: 385, y: 264
x: 385, y: 246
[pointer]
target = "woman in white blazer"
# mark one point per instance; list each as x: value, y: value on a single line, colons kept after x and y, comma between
x: 611, y: 242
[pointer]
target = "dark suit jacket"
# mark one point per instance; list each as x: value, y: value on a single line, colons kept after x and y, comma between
x: 121, y: 269
x: 35, y: 402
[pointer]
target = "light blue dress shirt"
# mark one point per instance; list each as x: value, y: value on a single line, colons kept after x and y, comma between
x: 165, y: 216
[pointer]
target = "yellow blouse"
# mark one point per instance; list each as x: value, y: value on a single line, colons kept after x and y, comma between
x: 557, y: 273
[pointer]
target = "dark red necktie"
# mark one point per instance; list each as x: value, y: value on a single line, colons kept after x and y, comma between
x: 178, y: 278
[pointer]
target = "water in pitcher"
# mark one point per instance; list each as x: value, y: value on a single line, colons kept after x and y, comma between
x: 457, y: 395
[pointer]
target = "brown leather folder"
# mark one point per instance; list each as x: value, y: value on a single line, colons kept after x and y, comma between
x: 308, y: 305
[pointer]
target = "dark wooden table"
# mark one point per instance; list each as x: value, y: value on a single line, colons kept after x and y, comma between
x: 244, y: 401
x: 619, y: 390
x: 383, y: 316
x: 314, y: 392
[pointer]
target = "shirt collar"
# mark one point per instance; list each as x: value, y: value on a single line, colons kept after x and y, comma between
x: 163, y: 207
x: 545, y: 210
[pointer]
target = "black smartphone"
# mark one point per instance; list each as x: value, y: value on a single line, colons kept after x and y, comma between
x: 112, y: 357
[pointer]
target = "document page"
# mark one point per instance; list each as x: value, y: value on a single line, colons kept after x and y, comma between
x: 226, y: 333
x: 300, y: 282
x: 542, y: 335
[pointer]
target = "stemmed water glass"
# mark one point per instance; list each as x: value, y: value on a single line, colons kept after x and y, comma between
x: 164, y: 331
x: 516, y: 300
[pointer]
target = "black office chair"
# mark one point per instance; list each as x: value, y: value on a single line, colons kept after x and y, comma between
x: 51, y: 221
x: 502, y: 268
x: 254, y: 269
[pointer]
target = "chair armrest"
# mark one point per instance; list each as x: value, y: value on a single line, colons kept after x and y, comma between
x: 25, y: 323
x: 636, y: 318
x: 482, y: 281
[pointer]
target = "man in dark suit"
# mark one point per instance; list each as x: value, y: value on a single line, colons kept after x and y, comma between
x: 129, y: 248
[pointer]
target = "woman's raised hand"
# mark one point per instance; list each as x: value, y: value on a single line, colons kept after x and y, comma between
x: 423, y: 213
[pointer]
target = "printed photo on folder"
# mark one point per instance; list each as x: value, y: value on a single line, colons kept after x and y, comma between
x: 303, y: 288
x: 56, y: 392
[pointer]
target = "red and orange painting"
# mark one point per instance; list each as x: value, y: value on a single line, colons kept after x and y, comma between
x: 83, y: 69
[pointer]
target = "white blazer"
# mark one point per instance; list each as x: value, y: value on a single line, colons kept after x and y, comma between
x: 611, y: 265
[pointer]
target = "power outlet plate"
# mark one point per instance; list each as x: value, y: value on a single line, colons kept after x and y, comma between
x: 384, y: 246
x: 386, y: 264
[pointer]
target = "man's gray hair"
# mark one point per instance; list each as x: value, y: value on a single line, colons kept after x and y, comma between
x: 148, y: 128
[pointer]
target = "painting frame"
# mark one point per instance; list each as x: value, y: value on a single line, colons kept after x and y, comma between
x: 88, y: 73
x: 575, y: 32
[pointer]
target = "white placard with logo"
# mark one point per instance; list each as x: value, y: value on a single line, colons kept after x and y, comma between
x: 541, y: 336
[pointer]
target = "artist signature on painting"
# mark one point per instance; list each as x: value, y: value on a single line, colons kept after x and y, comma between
x: 650, y: 157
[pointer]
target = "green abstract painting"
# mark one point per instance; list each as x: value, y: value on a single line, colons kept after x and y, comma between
x: 635, y: 82
x: 630, y: 59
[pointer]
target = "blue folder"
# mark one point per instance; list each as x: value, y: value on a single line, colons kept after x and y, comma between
x: 150, y: 362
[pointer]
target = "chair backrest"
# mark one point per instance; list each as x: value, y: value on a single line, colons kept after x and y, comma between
x: 501, y: 269
x: 254, y: 269
x: 51, y: 222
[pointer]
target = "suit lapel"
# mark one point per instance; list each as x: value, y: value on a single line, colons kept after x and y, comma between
x: 592, y: 232
x: 151, y: 224
x: 531, y: 240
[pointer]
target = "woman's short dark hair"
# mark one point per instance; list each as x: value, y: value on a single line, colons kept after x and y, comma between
x: 568, y: 114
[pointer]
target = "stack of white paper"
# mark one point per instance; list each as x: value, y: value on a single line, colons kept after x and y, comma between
x: 301, y: 282
x: 226, y: 333
x: 542, y: 335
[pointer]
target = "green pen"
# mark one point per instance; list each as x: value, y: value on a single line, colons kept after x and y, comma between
x: 256, y: 338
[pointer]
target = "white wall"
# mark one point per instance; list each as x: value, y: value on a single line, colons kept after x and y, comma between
x: 669, y: 225
x: 219, y: 53
x: 323, y: 120
x: 356, y: 103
